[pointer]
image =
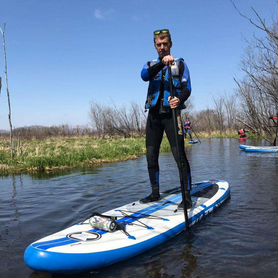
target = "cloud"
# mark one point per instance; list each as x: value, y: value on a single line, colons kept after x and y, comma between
x: 98, y: 14
x: 102, y: 14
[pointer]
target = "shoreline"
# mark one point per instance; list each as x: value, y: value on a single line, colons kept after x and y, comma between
x: 63, y: 154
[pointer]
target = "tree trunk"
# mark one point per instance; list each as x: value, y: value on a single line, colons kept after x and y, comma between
x: 8, y: 92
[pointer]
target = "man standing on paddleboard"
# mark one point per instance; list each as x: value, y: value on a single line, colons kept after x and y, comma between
x: 160, y: 117
x: 187, y: 128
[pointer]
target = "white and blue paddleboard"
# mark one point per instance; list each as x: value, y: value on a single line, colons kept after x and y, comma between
x: 193, y: 141
x: 82, y: 248
x: 259, y: 149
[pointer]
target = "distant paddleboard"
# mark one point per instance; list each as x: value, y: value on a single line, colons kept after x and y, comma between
x: 259, y: 149
x: 193, y: 142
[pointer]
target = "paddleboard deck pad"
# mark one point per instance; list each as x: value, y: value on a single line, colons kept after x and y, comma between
x: 81, y: 248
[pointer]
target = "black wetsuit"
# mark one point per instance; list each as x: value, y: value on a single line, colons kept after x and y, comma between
x: 160, y: 120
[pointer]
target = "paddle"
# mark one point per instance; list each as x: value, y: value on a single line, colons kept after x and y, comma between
x: 196, y: 136
x: 174, y: 116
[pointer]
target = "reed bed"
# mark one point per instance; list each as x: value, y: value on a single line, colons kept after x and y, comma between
x: 81, y: 152
x: 60, y: 153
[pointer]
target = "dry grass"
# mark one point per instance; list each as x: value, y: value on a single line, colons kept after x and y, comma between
x: 65, y: 153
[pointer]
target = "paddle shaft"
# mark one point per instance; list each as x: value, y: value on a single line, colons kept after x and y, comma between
x: 196, y: 136
x: 174, y: 116
x: 276, y: 131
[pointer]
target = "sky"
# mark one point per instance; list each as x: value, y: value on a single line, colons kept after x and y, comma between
x: 64, y: 55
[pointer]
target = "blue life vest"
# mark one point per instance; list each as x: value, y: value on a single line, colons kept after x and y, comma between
x: 155, y: 83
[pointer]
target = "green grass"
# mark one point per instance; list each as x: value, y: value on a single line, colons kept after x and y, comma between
x: 56, y: 154
x: 66, y: 153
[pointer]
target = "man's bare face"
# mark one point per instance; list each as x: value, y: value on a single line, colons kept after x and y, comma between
x: 162, y: 46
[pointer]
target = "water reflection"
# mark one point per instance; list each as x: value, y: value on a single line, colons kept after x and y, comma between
x: 64, y: 172
x: 173, y: 260
x: 191, y: 262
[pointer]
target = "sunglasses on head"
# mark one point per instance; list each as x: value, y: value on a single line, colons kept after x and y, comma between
x: 162, y: 31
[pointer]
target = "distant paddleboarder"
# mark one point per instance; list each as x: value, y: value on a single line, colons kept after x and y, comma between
x: 275, y: 125
x: 242, y: 133
x: 187, y: 128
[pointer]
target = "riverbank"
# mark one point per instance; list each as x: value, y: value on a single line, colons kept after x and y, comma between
x: 62, y: 153
x: 66, y: 153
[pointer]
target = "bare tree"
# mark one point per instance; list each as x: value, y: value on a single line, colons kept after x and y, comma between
x: 231, y: 112
x: 219, y: 109
x: 258, y: 91
x: 123, y: 121
x: 97, y: 115
x: 3, y: 30
x: 205, y: 120
x: 138, y: 118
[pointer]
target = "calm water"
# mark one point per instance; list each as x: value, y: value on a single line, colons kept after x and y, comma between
x: 238, y: 240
